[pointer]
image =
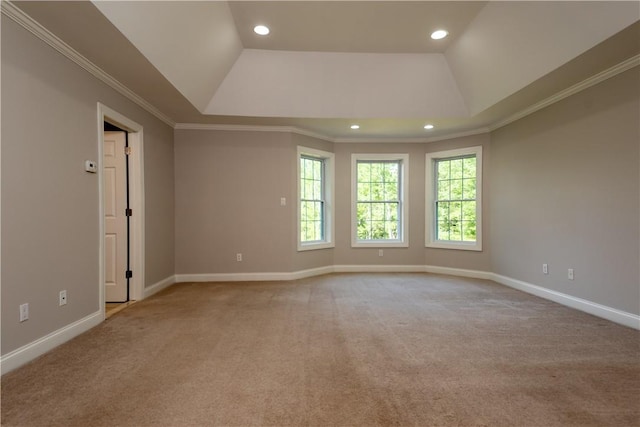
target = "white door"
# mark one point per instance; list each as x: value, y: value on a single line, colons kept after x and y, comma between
x: 115, y: 219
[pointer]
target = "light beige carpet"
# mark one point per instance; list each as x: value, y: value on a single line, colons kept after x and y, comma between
x: 336, y: 350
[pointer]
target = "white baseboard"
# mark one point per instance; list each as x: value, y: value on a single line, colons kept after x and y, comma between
x: 27, y: 353
x: 40, y: 346
x: 476, y: 274
x: 253, y: 277
x: 609, y: 313
x: 599, y: 310
x: 157, y: 287
x: 374, y: 268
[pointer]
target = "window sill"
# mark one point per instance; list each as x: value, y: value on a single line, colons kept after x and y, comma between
x: 477, y: 247
x: 380, y: 244
x: 302, y: 247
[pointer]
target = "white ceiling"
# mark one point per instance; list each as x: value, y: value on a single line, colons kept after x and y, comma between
x: 327, y: 64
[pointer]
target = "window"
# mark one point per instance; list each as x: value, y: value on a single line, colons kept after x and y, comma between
x: 379, y: 200
x: 315, y: 193
x: 454, y: 202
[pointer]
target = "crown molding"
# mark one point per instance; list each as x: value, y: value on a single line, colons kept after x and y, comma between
x: 28, y: 23
x: 251, y: 128
x: 623, y: 66
x: 21, y: 18
x: 424, y: 140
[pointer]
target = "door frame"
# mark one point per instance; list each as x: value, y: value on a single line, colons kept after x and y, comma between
x: 136, y: 201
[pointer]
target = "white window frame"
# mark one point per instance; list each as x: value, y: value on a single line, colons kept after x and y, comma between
x: 430, y: 206
x: 329, y: 191
x: 403, y: 229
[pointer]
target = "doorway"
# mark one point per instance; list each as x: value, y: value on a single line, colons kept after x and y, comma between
x: 121, y: 211
x: 115, y: 170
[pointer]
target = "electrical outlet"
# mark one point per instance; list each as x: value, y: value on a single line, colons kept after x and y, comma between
x: 238, y: 257
x: 570, y: 274
x: 24, y: 312
x: 545, y: 268
x: 283, y: 201
x: 63, y: 298
x: 380, y: 252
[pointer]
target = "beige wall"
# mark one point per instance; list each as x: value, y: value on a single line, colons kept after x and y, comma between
x: 228, y: 189
x: 50, y: 216
x: 565, y: 191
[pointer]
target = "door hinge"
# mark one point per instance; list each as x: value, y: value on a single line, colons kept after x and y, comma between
x: 127, y: 151
x: 128, y: 212
x: 128, y: 274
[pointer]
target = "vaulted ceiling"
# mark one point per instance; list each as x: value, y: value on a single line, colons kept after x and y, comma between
x: 327, y: 65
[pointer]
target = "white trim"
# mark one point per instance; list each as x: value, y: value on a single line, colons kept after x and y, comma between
x: 40, y: 346
x: 28, y: 352
x: 254, y: 277
x: 403, y: 242
x: 251, y: 128
x: 599, y: 310
x: 29, y: 24
x: 159, y: 286
x: 623, y: 66
x: 405, y: 140
x: 136, y: 197
x: 329, y: 192
x: 374, y: 268
x: 429, y: 228
x: 460, y: 272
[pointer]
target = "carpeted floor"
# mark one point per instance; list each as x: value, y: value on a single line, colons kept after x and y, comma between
x: 336, y: 350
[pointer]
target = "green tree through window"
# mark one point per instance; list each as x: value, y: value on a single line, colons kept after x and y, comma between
x: 312, y: 199
x: 378, y: 200
x: 456, y: 199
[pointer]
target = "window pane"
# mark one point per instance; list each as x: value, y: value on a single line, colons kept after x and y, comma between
x: 391, y: 191
x: 317, y: 190
x: 379, y: 184
x: 456, y: 189
x: 377, y: 191
x: 443, y: 230
x: 469, y: 167
x: 443, y: 169
x: 364, y: 191
x: 469, y: 211
x: 391, y: 212
x: 377, y: 230
x: 311, y: 205
x: 456, y: 169
x: 469, y: 189
x: 377, y: 211
x: 469, y: 231
x: 317, y: 170
x: 442, y: 211
x: 364, y: 172
x: 376, y: 172
x: 444, y: 188
x: 455, y: 192
x: 391, y: 172
x: 455, y: 211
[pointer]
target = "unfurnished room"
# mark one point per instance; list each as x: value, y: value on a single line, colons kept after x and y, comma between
x: 320, y: 213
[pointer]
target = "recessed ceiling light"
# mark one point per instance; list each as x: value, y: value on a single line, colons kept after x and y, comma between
x: 440, y: 34
x: 428, y: 126
x: 261, y: 30
x: 354, y: 127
